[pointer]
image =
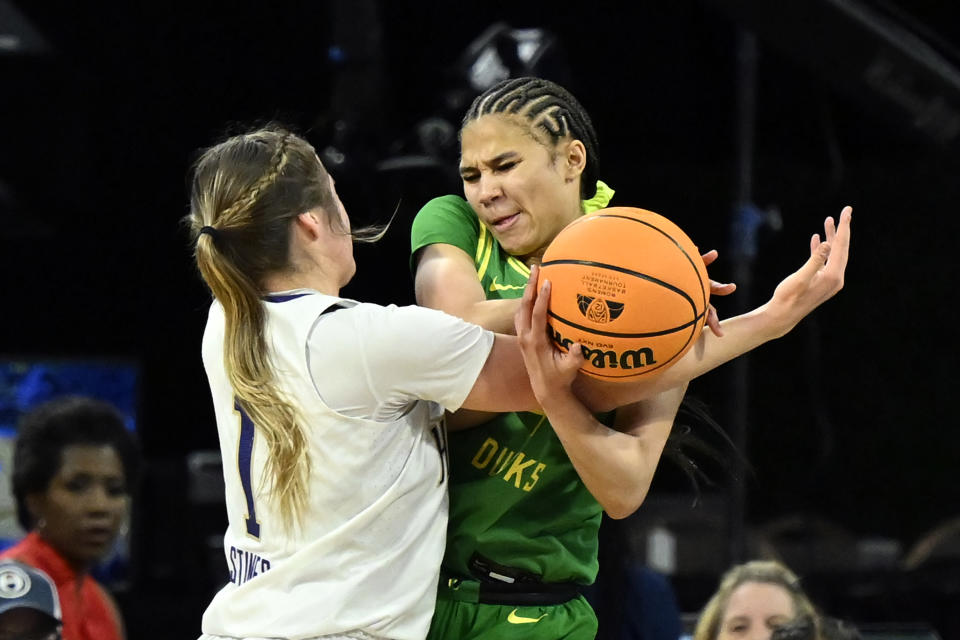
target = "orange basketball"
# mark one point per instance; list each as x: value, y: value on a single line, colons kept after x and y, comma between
x: 629, y: 286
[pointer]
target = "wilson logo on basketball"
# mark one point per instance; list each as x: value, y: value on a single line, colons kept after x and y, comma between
x: 607, y: 358
x: 598, y: 310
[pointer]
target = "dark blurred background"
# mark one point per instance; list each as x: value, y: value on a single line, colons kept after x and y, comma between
x: 744, y: 123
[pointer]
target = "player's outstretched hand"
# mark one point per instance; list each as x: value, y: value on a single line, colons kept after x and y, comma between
x: 716, y: 289
x: 550, y: 370
x: 819, y: 279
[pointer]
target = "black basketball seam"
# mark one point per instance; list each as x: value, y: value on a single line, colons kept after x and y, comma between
x: 629, y: 272
x: 658, y: 230
x: 612, y: 334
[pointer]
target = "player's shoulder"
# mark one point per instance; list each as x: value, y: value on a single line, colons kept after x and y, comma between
x: 215, y: 309
x: 408, y: 323
x: 215, y: 327
x: 448, y: 206
x: 295, y: 315
x: 304, y: 302
x: 447, y: 220
x: 393, y: 313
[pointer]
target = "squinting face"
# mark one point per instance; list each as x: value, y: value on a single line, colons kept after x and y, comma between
x: 754, y: 610
x: 81, y: 511
x: 522, y: 190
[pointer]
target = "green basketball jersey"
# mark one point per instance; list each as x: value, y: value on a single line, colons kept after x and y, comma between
x: 515, y: 497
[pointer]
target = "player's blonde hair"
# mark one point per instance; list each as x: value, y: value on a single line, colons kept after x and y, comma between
x: 246, y: 193
x: 762, y: 571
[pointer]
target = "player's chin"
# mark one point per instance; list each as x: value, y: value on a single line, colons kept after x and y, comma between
x: 516, y: 244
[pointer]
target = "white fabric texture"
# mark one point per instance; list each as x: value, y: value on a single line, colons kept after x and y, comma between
x: 367, y: 557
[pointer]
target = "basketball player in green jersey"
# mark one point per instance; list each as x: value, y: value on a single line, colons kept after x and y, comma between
x: 526, y: 494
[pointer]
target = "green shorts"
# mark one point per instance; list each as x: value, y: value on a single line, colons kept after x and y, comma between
x: 458, y: 616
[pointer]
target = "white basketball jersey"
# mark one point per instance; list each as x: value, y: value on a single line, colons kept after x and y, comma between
x: 371, y: 384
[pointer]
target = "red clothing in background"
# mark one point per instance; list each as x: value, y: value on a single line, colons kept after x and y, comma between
x: 87, y: 612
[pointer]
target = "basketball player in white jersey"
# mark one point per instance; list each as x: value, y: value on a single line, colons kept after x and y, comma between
x: 329, y: 411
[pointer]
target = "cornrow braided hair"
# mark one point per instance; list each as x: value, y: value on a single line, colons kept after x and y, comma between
x: 548, y: 107
x: 249, y: 198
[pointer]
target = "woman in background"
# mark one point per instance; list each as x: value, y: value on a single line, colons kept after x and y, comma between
x: 753, y: 601
x: 74, y: 464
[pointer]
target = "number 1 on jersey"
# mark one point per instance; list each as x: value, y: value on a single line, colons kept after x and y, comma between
x: 244, y: 466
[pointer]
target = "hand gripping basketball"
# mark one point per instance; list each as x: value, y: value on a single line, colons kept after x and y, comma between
x: 550, y: 369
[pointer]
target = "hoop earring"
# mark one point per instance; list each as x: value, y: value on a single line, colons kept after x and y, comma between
x: 41, y: 523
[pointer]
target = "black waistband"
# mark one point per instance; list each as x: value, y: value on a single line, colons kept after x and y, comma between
x: 525, y: 594
x: 501, y: 584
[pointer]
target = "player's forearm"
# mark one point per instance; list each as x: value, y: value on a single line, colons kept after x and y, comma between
x: 740, y: 334
x: 503, y: 383
x: 494, y: 315
x: 617, y: 468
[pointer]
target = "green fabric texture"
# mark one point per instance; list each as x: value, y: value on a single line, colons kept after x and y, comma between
x: 601, y: 198
x: 460, y: 620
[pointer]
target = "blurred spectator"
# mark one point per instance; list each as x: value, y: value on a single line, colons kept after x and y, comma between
x: 74, y: 463
x: 752, y: 601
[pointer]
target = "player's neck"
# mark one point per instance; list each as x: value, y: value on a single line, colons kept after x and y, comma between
x: 301, y: 280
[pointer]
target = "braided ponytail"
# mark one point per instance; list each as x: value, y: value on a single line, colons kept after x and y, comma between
x: 248, y: 190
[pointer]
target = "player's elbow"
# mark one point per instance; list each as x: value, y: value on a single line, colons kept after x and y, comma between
x: 620, y: 511
x: 624, y: 504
